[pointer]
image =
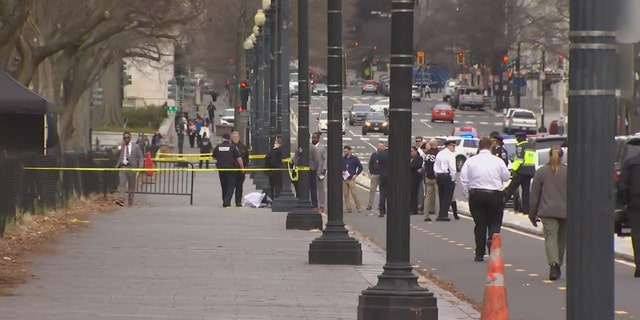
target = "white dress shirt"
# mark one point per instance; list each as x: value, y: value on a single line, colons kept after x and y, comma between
x: 445, y: 163
x: 125, y: 161
x: 483, y: 171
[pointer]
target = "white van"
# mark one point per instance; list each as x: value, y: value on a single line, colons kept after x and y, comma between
x: 449, y: 88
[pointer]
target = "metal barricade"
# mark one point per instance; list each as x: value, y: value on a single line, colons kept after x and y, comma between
x: 168, y: 180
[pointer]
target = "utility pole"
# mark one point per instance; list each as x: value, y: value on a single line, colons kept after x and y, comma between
x: 592, y: 105
x: 542, y: 128
x: 397, y: 295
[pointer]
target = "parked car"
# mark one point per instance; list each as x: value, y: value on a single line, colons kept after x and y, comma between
x: 465, y: 148
x: 323, y: 122
x: 455, y: 96
x: 370, y: 86
x: 381, y: 106
x: 471, y: 97
x: 546, y: 142
x: 227, y: 117
x: 358, y: 113
x: 521, y: 120
x: 320, y: 89
x: 442, y: 112
x: 385, y: 86
x: 375, y: 122
x: 415, y: 93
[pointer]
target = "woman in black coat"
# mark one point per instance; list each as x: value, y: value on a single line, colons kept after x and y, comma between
x: 417, y: 176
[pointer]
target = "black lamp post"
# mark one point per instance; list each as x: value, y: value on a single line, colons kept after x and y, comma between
x: 592, y: 105
x: 272, y: 20
x: 248, y: 47
x: 303, y: 217
x: 286, y: 201
x: 261, y: 141
x: 542, y: 128
x: 335, y: 246
x: 397, y: 295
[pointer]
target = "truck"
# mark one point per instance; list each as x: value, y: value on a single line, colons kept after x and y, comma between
x: 471, y: 97
x: 432, y: 75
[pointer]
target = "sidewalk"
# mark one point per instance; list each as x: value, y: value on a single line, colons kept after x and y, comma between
x: 169, y: 260
x: 520, y: 222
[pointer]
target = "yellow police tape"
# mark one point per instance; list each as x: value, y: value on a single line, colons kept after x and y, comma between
x: 191, y: 155
x: 197, y: 158
x: 167, y: 169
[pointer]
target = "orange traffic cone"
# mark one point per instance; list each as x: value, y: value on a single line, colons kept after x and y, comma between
x: 148, y: 164
x: 494, y: 306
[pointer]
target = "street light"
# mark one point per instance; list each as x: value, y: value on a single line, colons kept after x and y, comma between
x: 259, y: 146
x: 397, y: 295
x: 259, y: 19
x: 248, y: 47
x: 266, y: 5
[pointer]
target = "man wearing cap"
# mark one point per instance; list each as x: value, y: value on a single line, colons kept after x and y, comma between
x: 497, y: 148
x: 524, y: 168
x: 227, y: 157
x: 445, y: 171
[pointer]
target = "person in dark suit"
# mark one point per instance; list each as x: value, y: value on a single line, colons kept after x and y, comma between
x: 417, y: 177
x: 129, y: 156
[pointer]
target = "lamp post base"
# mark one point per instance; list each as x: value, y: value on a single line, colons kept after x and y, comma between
x: 304, y: 218
x: 285, y: 202
x: 542, y: 129
x: 335, y: 248
x: 375, y: 304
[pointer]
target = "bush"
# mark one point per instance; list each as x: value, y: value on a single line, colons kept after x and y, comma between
x: 147, y: 117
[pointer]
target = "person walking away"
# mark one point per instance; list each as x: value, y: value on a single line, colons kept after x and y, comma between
x: 322, y: 169
x: 180, y: 127
x: 314, y: 167
x: 628, y: 194
x: 497, y: 147
x: 445, y: 171
x: 374, y: 174
x: 482, y: 179
x: 129, y: 156
x: 416, y: 177
x: 227, y: 157
x: 383, y: 165
x: 211, y: 110
x: 240, y: 175
x: 524, y: 169
x: 549, y: 204
x: 431, y: 204
x: 273, y: 160
x: 191, y: 132
x: 351, y: 168
x: 427, y: 91
x: 205, y: 151
x: 198, y: 125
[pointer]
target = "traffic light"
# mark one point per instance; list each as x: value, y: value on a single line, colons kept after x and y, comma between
x: 244, y: 95
x: 189, y: 89
x: 125, y: 77
x: 505, y: 59
x: 560, y: 62
x: 375, y: 48
x: 420, y: 58
x: 239, y: 108
x: 460, y: 57
x: 172, y: 89
x: 510, y: 75
x: 179, y: 64
x: 356, y: 44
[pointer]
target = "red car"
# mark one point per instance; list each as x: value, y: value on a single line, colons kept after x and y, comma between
x: 442, y: 112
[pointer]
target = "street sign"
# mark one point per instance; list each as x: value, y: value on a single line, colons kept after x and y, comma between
x: 172, y: 108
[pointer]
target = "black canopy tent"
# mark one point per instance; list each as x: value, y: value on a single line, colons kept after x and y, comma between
x: 25, y: 116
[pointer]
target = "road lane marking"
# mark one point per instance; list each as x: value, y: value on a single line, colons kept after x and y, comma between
x: 468, y: 248
x: 562, y: 288
x: 485, y: 123
x: 452, y: 241
x: 533, y: 274
x: 621, y: 312
x: 508, y: 265
x: 347, y: 138
x: 425, y: 123
x: 547, y: 281
x: 519, y: 270
x: 469, y: 122
x: 365, y: 139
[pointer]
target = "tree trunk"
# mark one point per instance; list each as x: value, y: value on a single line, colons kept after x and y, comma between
x: 111, y: 114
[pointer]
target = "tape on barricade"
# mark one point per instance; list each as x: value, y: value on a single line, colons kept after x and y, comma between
x: 194, y: 158
x: 164, y: 169
x: 191, y: 155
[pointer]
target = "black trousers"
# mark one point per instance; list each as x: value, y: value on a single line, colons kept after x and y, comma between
x: 520, y: 180
x: 313, y: 187
x: 383, y: 186
x: 414, y: 188
x: 227, y: 182
x: 486, y: 209
x: 445, y: 193
x: 275, y: 184
x: 192, y: 139
x: 633, y: 212
x: 238, y: 187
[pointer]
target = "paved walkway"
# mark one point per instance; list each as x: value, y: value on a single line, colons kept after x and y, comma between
x: 169, y: 260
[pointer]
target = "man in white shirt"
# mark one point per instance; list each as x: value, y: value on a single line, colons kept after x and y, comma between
x: 445, y: 171
x: 482, y: 179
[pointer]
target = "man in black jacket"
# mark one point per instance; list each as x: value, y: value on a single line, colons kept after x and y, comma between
x: 629, y: 195
x: 244, y: 154
x: 374, y: 174
x: 382, y: 159
x: 431, y: 186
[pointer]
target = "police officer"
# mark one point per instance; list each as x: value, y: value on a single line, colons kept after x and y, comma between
x: 497, y: 148
x: 523, y: 169
x: 227, y: 157
x: 240, y: 176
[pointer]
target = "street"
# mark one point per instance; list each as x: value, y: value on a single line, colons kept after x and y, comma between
x: 445, y: 249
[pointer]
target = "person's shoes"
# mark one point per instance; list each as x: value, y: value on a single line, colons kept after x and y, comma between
x: 427, y: 219
x: 238, y: 204
x: 381, y: 215
x: 359, y: 210
x: 368, y: 208
x: 120, y: 203
x: 443, y: 219
x: 478, y: 259
x: 456, y: 216
x: 554, y: 272
x: 637, y: 273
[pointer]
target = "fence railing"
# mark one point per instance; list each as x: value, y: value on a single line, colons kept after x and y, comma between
x: 167, y: 180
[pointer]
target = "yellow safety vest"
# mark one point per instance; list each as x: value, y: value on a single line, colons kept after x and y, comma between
x: 529, y: 157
